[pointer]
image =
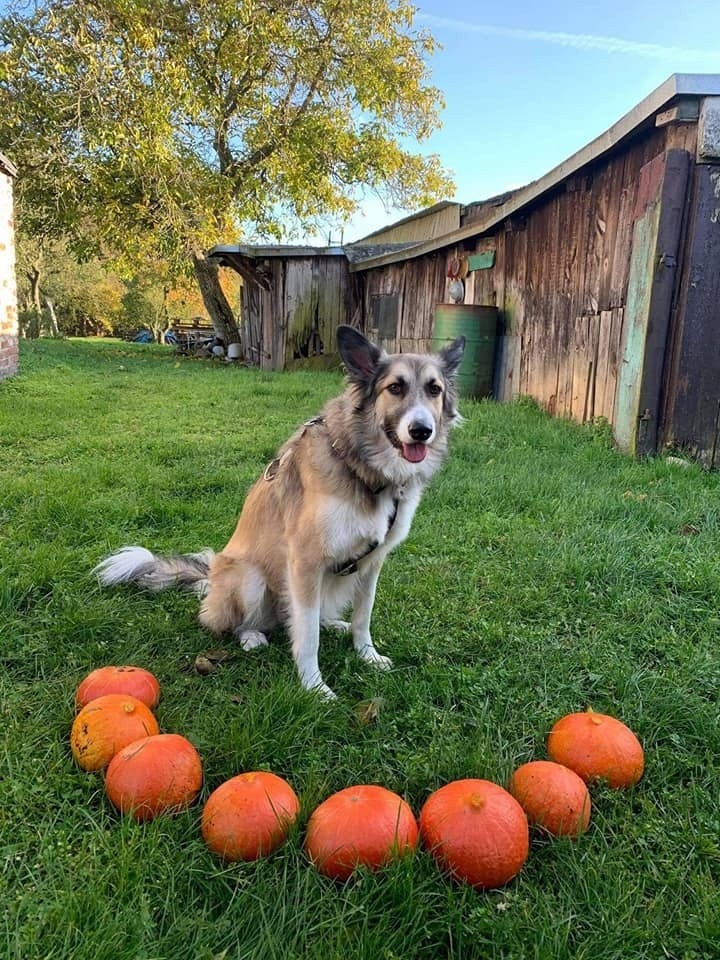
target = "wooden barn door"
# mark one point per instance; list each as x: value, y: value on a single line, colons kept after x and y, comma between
x: 658, y: 216
x: 692, y: 419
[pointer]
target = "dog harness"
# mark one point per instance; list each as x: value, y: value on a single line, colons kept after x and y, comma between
x: 349, y: 566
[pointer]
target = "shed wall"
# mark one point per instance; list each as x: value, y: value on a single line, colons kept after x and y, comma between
x: 298, y: 313
x: 559, y: 278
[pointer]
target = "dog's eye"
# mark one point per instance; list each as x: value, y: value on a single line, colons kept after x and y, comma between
x: 434, y: 389
x: 396, y: 389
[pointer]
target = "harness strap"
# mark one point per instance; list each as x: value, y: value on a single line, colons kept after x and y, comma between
x: 351, y: 566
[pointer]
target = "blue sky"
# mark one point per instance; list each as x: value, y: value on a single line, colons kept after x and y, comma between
x: 527, y: 84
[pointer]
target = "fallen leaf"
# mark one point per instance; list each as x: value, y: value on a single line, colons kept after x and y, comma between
x: 689, y: 530
x: 204, y: 666
x: 367, y: 710
x: 218, y: 656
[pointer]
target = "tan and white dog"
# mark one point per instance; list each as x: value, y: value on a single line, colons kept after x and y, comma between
x: 317, y: 525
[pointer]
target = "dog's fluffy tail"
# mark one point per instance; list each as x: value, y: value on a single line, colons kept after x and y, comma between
x: 137, y: 565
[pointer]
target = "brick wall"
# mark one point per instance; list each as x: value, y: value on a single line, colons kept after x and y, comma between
x: 8, y: 297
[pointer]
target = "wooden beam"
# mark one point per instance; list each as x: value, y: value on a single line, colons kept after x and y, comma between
x: 684, y: 111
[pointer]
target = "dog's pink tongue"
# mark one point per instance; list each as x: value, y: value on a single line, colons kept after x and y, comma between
x: 414, y: 452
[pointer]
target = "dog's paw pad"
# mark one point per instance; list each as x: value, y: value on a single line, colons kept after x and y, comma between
x: 251, y: 639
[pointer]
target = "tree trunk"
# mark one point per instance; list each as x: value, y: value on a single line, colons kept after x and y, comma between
x: 54, y: 327
x: 216, y: 303
x: 33, y: 275
x: 32, y: 328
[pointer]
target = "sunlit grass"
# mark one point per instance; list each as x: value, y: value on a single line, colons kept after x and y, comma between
x: 544, y: 573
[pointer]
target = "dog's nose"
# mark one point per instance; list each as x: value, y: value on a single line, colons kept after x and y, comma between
x: 419, y: 431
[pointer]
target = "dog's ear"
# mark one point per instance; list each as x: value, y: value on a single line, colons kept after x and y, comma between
x: 360, y: 357
x: 451, y: 356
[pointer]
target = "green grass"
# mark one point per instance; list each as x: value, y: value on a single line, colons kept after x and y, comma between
x: 545, y: 573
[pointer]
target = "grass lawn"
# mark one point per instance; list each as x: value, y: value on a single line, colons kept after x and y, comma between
x: 545, y: 573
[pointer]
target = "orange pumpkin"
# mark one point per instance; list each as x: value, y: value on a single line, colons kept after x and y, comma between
x: 552, y: 796
x: 363, y: 825
x: 106, y: 725
x: 249, y: 816
x: 160, y: 774
x: 597, y: 747
x: 136, y: 681
x: 476, y: 831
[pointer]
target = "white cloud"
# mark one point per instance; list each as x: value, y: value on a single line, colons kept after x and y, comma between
x: 578, y: 41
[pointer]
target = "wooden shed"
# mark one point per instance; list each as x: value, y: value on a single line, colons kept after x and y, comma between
x: 294, y: 297
x: 292, y: 300
x: 605, y: 273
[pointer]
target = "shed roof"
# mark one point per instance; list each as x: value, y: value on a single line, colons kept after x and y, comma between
x: 482, y: 217
x: 267, y: 252
x: 679, y: 85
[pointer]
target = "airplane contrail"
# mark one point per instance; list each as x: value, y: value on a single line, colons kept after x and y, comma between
x: 578, y: 41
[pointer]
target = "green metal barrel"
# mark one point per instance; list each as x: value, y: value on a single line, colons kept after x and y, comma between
x: 478, y: 324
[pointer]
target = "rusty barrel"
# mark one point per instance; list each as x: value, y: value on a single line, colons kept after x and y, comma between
x: 478, y: 324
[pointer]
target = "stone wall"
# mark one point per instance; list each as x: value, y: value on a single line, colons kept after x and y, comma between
x: 8, y: 296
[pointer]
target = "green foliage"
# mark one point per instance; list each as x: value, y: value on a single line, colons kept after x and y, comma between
x: 160, y: 127
x: 544, y: 573
x: 85, y: 298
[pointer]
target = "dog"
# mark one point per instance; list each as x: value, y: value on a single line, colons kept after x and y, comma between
x: 316, y: 527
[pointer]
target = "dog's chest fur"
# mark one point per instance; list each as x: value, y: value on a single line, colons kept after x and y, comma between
x: 349, y: 531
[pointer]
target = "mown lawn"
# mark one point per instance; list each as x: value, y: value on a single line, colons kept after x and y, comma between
x: 545, y: 573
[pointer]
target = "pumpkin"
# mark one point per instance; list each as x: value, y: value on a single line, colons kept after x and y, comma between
x: 552, y: 796
x: 159, y: 774
x: 137, y: 682
x: 106, y: 725
x: 597, y: 747
x: 476, y: 831
x: 249, y: 816
x: 363, y: 825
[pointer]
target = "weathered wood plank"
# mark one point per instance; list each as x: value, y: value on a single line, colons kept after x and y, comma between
x: 666, y: 253
x: 660, y: 206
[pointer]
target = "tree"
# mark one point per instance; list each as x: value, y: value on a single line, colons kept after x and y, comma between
x: 157, y: 128
x: 57, y: 295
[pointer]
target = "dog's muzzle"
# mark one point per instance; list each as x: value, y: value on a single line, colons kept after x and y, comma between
x: 412, y: 452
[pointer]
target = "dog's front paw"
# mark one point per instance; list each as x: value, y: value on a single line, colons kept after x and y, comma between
x: 369, y: 654
x: 324, y: 691
x: 251, y: 639
x: 319, y: 687
x: 341, y: 625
